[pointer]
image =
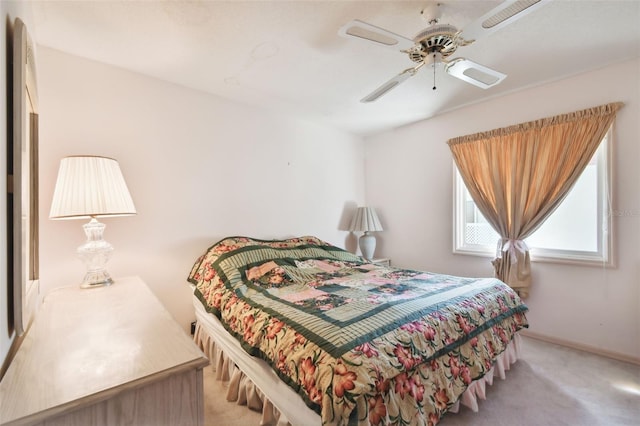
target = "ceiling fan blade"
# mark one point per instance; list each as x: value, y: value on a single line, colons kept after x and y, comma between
x: 474, y: 73
x: 362, y: 30
x: 390, y: 85
x: 506, y: 13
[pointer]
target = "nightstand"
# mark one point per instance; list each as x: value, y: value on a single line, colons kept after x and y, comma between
x: 383, y: 261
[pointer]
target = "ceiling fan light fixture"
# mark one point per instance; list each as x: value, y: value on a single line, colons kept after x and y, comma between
x: 433, y: 59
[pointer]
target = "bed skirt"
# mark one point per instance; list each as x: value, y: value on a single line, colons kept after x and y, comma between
x: 247, y: 375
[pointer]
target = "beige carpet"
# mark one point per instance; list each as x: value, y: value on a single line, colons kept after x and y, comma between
x: 218, y: 411
x: 550, y: 385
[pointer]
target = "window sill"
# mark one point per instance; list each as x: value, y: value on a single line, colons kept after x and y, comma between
x: 576, y: 258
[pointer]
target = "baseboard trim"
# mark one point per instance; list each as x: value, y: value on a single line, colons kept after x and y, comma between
x: 585, y: 348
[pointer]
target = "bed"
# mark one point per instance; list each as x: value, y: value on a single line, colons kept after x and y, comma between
x: 321, y: 336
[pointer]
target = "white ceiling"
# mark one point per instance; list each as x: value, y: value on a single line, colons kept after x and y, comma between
x: 287, y: 56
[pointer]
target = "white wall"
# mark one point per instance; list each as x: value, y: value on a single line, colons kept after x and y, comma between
x: 409, y: 180
x: 199, y: 168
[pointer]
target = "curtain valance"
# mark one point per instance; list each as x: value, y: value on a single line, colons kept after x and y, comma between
x: 602, y: 110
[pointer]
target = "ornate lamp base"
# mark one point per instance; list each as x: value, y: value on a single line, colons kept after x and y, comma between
x: 95, y: 253
x: 94, y: 279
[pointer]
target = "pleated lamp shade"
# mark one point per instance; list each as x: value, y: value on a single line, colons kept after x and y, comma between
x: 365, y: 219
x: 90, y: 186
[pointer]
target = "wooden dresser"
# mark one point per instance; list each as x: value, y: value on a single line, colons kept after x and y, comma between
x: 104, y: 356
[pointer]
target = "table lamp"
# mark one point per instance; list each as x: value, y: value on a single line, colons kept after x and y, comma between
x: 366, y: 220
x: 91, y: 187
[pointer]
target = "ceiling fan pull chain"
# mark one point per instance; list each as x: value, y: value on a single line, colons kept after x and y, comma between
x: 434, y: 71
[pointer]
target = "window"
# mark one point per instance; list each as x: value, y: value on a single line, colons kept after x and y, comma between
x: 578, y: 231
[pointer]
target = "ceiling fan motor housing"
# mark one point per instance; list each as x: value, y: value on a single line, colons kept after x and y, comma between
x: 440, y: 38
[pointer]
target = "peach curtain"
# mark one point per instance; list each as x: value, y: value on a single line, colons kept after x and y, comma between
x: 518, y: 175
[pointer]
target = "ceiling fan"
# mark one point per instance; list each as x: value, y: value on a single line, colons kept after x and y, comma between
x: 434, y: 45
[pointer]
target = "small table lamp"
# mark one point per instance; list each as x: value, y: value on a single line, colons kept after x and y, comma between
x: 366, y: 220
x: 91, y: 187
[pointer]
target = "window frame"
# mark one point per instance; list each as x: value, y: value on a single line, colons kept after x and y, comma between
x: 604, y: 256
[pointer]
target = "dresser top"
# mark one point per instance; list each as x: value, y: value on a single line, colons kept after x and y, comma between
x: 85, y: 345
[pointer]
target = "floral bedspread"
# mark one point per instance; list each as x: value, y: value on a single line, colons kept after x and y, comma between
x: 361, y: 343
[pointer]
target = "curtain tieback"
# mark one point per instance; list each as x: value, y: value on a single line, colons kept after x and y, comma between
x: 512, y: 247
